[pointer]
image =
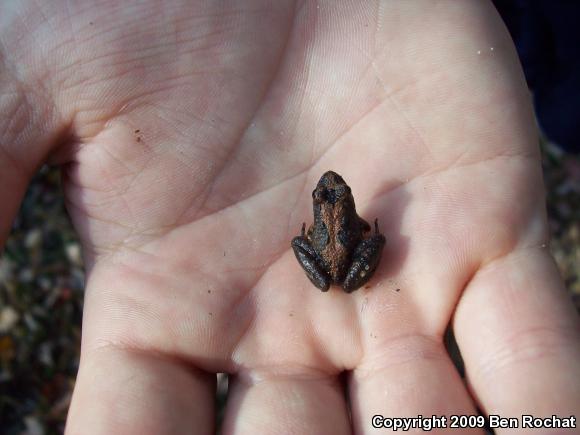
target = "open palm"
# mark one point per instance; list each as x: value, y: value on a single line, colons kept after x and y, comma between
x: 196, y: 134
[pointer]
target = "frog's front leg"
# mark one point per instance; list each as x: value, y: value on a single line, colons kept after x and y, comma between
x: 310, y: 262
x: 365, y: 259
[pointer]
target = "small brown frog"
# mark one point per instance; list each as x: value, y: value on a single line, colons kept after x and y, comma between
x: 335, y: 250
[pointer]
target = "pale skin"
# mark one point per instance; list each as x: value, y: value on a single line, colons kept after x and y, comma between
x: 191, y: 135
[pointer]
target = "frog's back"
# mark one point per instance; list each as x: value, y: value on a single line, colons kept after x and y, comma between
x: 341, y: 234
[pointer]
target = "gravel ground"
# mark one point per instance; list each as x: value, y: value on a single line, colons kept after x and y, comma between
x: 42, y: 281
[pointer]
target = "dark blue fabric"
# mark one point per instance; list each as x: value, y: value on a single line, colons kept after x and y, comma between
x: 547, y: 37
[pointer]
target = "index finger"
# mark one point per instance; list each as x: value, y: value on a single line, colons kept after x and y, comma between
x: 520, y: 338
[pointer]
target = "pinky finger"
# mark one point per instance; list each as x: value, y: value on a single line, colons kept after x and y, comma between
x: 120, y: 391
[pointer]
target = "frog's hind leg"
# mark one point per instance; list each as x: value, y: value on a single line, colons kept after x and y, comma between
x: 310, y: 263
x: 365, y: 260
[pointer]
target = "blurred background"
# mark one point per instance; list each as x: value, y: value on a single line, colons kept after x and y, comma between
x: 41, y: 272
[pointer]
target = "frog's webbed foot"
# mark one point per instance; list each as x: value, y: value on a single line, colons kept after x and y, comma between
x: 365, y: 259
x: 310, y: 263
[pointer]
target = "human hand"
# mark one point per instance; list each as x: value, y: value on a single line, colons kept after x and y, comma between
x: 191, y: 136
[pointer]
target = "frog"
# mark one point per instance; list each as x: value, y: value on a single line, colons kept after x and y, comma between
x: 338, y: 248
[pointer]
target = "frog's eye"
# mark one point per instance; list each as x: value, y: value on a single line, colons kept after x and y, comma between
x: 343, y: 190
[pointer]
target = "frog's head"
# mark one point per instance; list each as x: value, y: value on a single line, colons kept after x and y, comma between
x: 331, y: 189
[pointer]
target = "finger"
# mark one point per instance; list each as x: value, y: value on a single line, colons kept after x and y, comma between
x: 28, y: 128
x: 13, y: 181
x: 412, y: 376
x: 121, y: 391
x: 269, y: 404
x: 520, y: 337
